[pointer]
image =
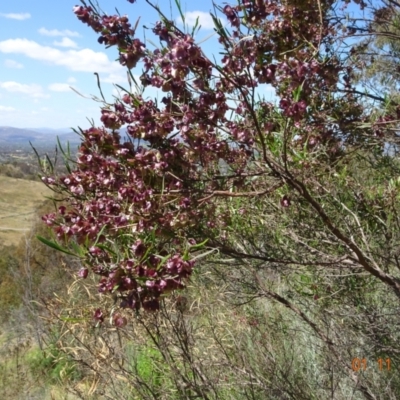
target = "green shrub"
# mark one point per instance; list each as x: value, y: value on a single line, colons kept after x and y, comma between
x: 52, y: 365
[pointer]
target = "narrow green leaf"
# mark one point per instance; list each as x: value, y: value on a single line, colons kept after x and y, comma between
x: 199, y: 245
x: 177, y: 2
x: 130, y: 75
x: 115, y: 288
x: 195, y: 26
x: 60, y: 147
x: 218, y: 26
x: 66, y: 155
x: 80, y: 94
x: 152, y: 43
x: 297, y: 92
x: 78, y: 249
x: 121, y: 88
x: 206, y: 38
x: 136, y: 25
x: 205, y: 254
x: 37, y: 154
x: 99, y: 86
x: 106, y: 248
x: 146, y: 254
x: 55, y: 246
x: 99, y: 234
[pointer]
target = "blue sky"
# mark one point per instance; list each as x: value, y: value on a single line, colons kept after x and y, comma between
x: 45, y: 49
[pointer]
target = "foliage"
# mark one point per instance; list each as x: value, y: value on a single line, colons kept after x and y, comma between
x: 122, y: 198
x: 30, y: 361
x: 378, y: 53
x: 20, y: 170
x: 216, y: 349
x: 52, y: 365
x: 375, y: 66
x: 303, y: 223
x: 8, y: 288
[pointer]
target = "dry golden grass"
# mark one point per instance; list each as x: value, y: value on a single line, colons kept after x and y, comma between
x: 19, y: 199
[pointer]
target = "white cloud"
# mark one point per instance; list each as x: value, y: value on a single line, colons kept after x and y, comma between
x: 56, y: 32
x: 85, y: 60
x: 205, y: 19
x: 66, y: 42
x: 60, y: 87
x: 7, y: 109
x: 32, y: 90
x: 71, y: 79
x: 116, y: 78
x: 19, y: 17
x: 13, y: 64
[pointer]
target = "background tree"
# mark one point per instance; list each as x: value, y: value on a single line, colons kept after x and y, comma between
x: 378, y: 52
x: 374, y: 55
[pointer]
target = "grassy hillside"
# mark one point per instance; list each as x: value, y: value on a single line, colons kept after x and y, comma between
x: 19, y: 199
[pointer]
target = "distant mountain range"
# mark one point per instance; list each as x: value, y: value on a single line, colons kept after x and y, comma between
x: 10, y: 135
x: 47, y: 136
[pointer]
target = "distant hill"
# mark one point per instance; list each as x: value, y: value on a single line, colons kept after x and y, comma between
x: 59, y: 131
x: 10, y: 135
x: 40, y: 137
